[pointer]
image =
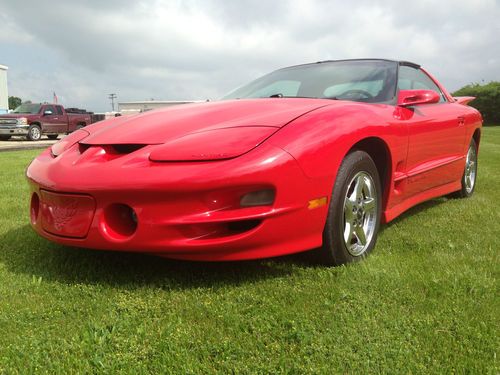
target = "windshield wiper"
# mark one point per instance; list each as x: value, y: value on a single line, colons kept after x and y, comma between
x: 280, y: 95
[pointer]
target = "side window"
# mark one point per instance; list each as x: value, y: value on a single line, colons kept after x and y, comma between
x: 414, y: 79
x: 59, y: 110
x: 49, y: 108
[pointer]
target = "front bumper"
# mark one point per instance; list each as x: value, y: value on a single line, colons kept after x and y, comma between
x: 14, y: 130
x: 179, y: 210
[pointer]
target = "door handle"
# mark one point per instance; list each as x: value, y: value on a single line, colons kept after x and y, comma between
x: 461, y: 120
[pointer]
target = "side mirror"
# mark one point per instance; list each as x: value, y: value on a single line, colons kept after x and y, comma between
x: 47, y: 112
x: 407, y: 98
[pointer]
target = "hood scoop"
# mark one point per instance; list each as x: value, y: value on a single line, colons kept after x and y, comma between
x: 99, y: 153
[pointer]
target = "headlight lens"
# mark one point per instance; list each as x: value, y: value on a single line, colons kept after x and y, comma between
x: 68, y: 141
x: 218, y: 144
x: 22, y: 121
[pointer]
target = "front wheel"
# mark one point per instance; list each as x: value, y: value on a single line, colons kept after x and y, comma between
x: 353, y: 220
x: 4, y: 137
x: 34, y: 133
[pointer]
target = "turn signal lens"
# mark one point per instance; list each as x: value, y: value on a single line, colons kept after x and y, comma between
x: 258, y: 198
x: 318, y: 202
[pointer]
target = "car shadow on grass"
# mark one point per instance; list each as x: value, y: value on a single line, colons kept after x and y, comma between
x: 23, y: 251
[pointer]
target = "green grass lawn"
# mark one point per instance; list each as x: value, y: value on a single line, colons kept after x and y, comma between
x: 426, y: 301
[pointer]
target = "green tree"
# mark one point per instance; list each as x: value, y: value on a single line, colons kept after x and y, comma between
x: 487, y: 100
x: 14, y: 102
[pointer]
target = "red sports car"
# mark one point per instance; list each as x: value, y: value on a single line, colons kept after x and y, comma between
x: 312, y: 156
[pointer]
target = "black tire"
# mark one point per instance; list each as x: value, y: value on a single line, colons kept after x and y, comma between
x: 357, y: 167
x: 466, y: 190
x: 4, y: 137
x: 52, y: 136
x: 80, y: 126
x: 34, y: 133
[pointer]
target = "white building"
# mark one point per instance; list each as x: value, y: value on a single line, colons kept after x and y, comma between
x: 132, y: 108
x: 4, y: 95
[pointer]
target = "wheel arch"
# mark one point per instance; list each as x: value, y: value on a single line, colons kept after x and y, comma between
x: 380, y: 153
x: 477, y: 136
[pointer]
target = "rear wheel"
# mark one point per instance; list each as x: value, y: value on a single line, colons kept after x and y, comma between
x: 354, y: 213
x: 52, y: 136
x: 4, y: 137
x: 470, y: 172
x: 34, y: 133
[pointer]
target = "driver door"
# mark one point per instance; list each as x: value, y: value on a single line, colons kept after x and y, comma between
x: 436, y: 136
x: 49, y: 120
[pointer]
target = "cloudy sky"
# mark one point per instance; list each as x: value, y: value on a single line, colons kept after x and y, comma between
x: 198, y: 49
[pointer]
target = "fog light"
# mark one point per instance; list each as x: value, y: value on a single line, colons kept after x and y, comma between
x: 258, y: 198
x: 119, y: 221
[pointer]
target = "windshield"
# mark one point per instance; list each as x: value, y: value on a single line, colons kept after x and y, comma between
x: 370, y: 81
x: 28, y: 108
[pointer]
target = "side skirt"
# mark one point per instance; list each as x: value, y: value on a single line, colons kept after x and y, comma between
x: 438, y: 191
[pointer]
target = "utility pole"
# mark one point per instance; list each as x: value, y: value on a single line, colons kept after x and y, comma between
x: 112, y: 97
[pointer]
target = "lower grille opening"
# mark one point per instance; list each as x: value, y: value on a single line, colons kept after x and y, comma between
x: 218, y: 230
x: 242, y: 226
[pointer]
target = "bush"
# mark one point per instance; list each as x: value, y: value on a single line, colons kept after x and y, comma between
x: 487, y: 100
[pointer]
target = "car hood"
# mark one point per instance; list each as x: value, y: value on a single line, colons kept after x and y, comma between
x: 16, y: 115
x: 164, y: 125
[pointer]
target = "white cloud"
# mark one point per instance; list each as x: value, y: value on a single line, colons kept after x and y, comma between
x: 196, y: 49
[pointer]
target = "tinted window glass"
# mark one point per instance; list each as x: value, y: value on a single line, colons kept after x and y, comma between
x: 49, y: 108
x: 371, y: 81
x: 59, y: 110
x: 414, y: 79
x: 28, y: 108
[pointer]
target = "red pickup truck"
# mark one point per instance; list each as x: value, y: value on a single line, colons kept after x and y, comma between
x: 34, y: 120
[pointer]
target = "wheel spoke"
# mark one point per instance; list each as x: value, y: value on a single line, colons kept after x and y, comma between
x: 369, y: 205
x: 361, y: 235
x: 358, y: 189
x: 348, y: 211
x: 348, y: 233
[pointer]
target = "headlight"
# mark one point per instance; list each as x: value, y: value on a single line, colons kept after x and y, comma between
x: 22, y: 121
x: 217, y: 144
x: 68, y: 141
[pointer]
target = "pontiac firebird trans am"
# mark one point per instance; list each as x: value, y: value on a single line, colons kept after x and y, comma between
x: 313, y: 156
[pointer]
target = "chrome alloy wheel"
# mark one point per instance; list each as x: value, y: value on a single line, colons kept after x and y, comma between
x: 470, y: 169
x: 35, y: 132
x: 360, y: 218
